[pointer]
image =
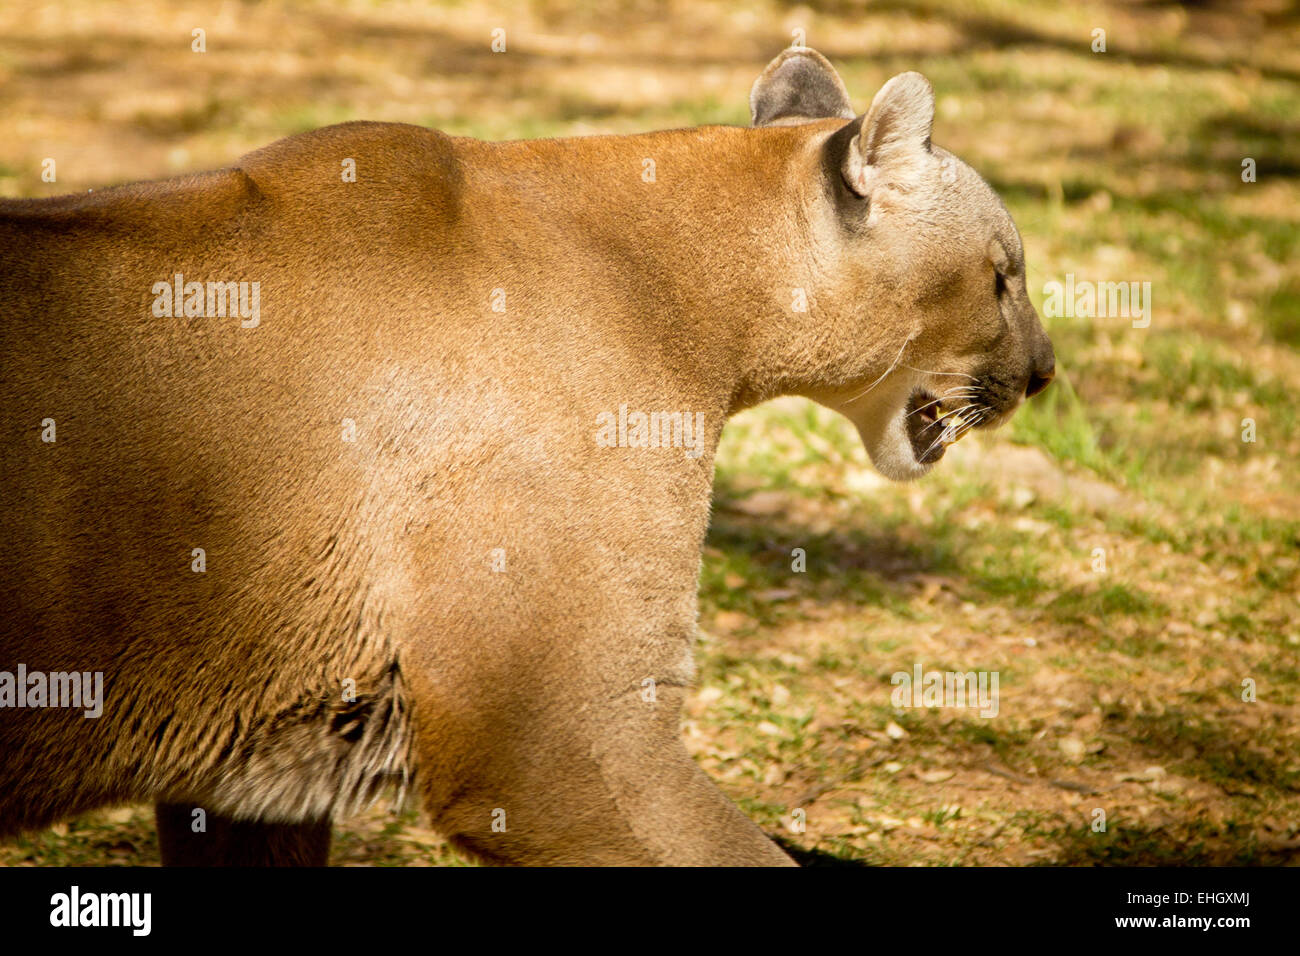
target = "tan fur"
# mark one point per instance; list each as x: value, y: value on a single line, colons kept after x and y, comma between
x: 520, y: 690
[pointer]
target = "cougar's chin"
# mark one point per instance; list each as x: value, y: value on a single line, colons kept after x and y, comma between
x: 889, y: 447
x: 907, y: 433
x: 885, y: 429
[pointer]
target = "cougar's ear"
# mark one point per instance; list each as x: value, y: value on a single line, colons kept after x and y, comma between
x: 799, y: 86
x: 892, y: 134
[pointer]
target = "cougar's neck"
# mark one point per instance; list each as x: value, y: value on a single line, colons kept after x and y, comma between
x: 712, y: 243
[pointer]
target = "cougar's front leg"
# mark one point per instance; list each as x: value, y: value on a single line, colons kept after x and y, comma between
x: 675, y: 811
x: 229, y: 842
x: 590, y: 782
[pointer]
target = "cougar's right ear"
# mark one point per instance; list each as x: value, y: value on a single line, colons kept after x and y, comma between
x: 893, y: 135
x: 799, y: 86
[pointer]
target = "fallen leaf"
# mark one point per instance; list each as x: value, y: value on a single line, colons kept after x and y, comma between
x: 935, y: 776
x: 1146, y: 776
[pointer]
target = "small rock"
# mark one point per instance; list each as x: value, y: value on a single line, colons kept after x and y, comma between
x: 1072, y: 747
x: 1022, y: 497
x: 708, y: 695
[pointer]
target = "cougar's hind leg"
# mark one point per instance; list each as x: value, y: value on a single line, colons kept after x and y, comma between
x: 229, y: 842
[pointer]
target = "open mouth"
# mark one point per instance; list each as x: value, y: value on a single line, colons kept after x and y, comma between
x: 929, y: 434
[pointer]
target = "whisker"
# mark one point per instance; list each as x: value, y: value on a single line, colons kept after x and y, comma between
x: 925, y: 406
x: 974, y: 420
x: 932, y: 444
x: 947, y: 416
x: 957, y: 392
x: 927, y: 372
x: 882, y: 377
x: 965, y: 422
x: 936, y: 441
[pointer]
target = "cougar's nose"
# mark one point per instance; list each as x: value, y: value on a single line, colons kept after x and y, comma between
x: 1041, y: 375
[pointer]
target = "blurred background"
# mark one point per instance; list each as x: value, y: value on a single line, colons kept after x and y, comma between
x: 1122, y: 679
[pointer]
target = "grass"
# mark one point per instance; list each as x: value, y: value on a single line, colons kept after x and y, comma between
x: 1121, y: 689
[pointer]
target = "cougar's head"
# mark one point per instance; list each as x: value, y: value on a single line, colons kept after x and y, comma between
x: 931, y: 332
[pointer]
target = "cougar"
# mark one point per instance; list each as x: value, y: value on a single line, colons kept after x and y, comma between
x: 382, y: 461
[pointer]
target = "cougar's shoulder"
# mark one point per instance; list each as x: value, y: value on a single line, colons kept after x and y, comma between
x: 371, y: 169
x: 300, y: 177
